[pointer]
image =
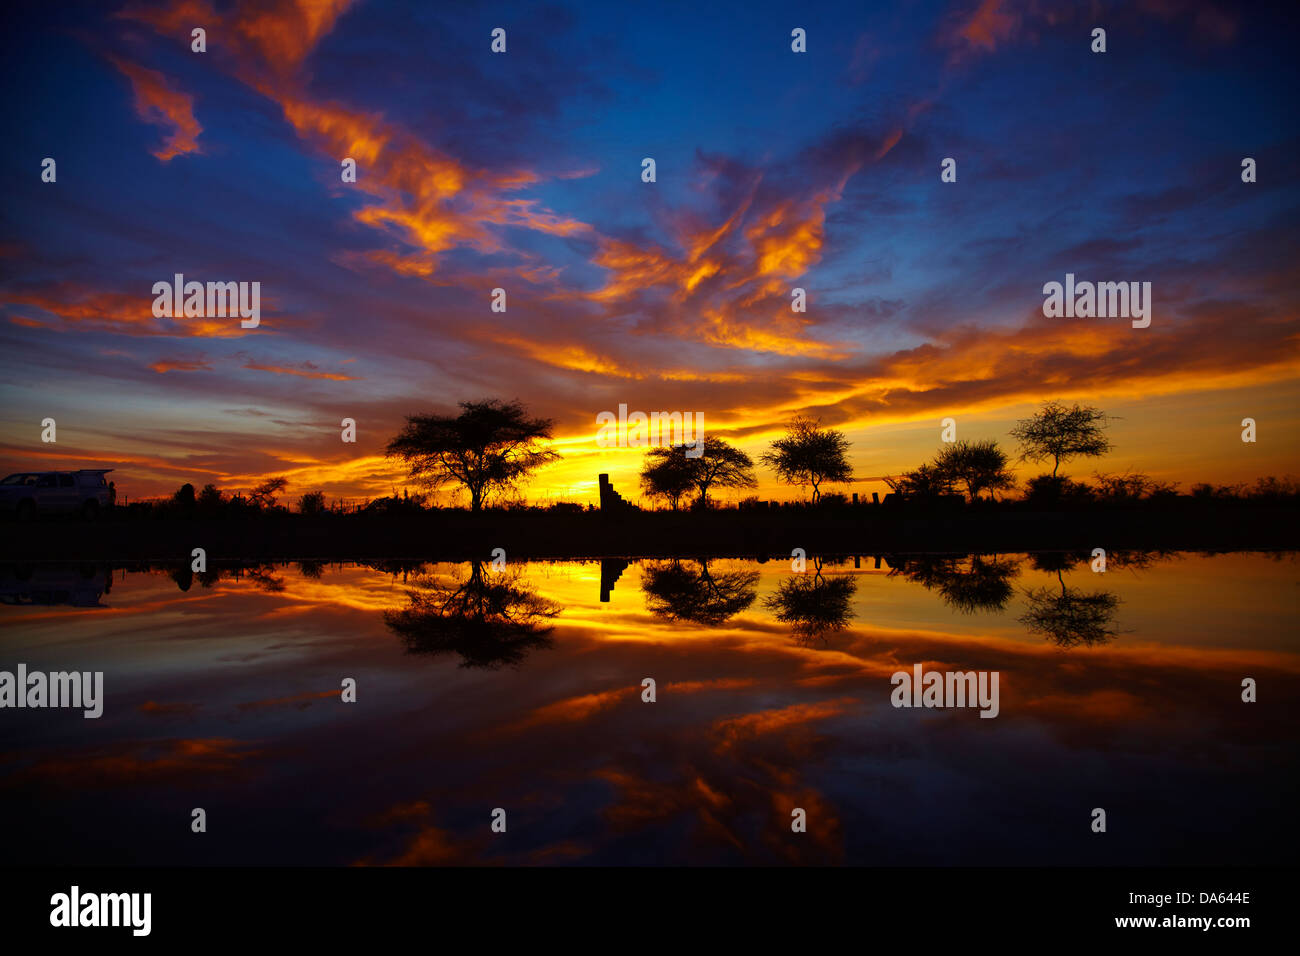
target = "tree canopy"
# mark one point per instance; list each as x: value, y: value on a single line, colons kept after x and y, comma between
x: 488, y: 448
x: 812, y: 605
x: 1071, y: 618
x: 722, y: 465
x: 263, y: 496
x: 489, y: 620
x: 980, y: 466
x: 809, y: 455
x: 1062, y: 433
x: 925, y: 482
x: 674, y: 592
x: 669, y: 472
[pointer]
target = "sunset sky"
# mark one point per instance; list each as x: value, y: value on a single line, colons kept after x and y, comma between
x: 522, y: 171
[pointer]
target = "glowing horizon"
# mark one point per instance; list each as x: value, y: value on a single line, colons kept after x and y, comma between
x: 522, y: 171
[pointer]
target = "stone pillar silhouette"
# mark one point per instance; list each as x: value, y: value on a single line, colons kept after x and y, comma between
x: 610, y: 500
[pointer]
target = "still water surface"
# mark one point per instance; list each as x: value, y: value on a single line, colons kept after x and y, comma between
x: 522, y: 690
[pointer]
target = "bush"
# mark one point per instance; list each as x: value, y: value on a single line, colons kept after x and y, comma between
x: 1274, y: 489
x: 405, y: 504
x: 1056, y: 491
x: 210, y: 499
x: 1133, y: 486
x: 925, y: 482
x: 183, y: 499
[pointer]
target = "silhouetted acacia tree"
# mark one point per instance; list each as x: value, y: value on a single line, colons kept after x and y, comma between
x: 263, y: 496
x: 489, y: 447
x: 668, y: 474
x: 721, y: 465
x: 925, y: 482
x: 1061, y: 433
x: 809, y: 455
x: 980, y: 466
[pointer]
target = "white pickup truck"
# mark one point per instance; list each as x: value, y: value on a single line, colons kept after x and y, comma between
x: 27, y: 494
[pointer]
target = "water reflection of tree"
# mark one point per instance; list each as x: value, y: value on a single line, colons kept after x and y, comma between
x: 812, y: 605
x: 264, y: 578
x: 1116, y: 560
x: 675, y: 592
x: 311, y: 570
x: 1072, y: 617
x: 967, y: 583
x: 489, y: 620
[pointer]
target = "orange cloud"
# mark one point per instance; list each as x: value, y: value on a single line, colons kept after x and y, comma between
x: 734, y: 729
x: 79, y: 304
x: 988, y: 25
x: 729, y: 285
x: 180, y: 365
x: 586, y: 706
x: 425, y: 198
x: 156, y: 102
x: 305, y: 370
x: 735, y: 275
x: 155, y: 707
x: 572, y: 356
x: 276, y: 34
x: 285, y: 33
x: 574, y: 709
x: 122, y: 312
x: 404, y: 265
x: 298, y: 701
x: 131, y: 763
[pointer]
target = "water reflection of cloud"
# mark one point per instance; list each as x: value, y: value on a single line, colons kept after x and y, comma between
x: 129, y: 763
x: 747, y: 724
